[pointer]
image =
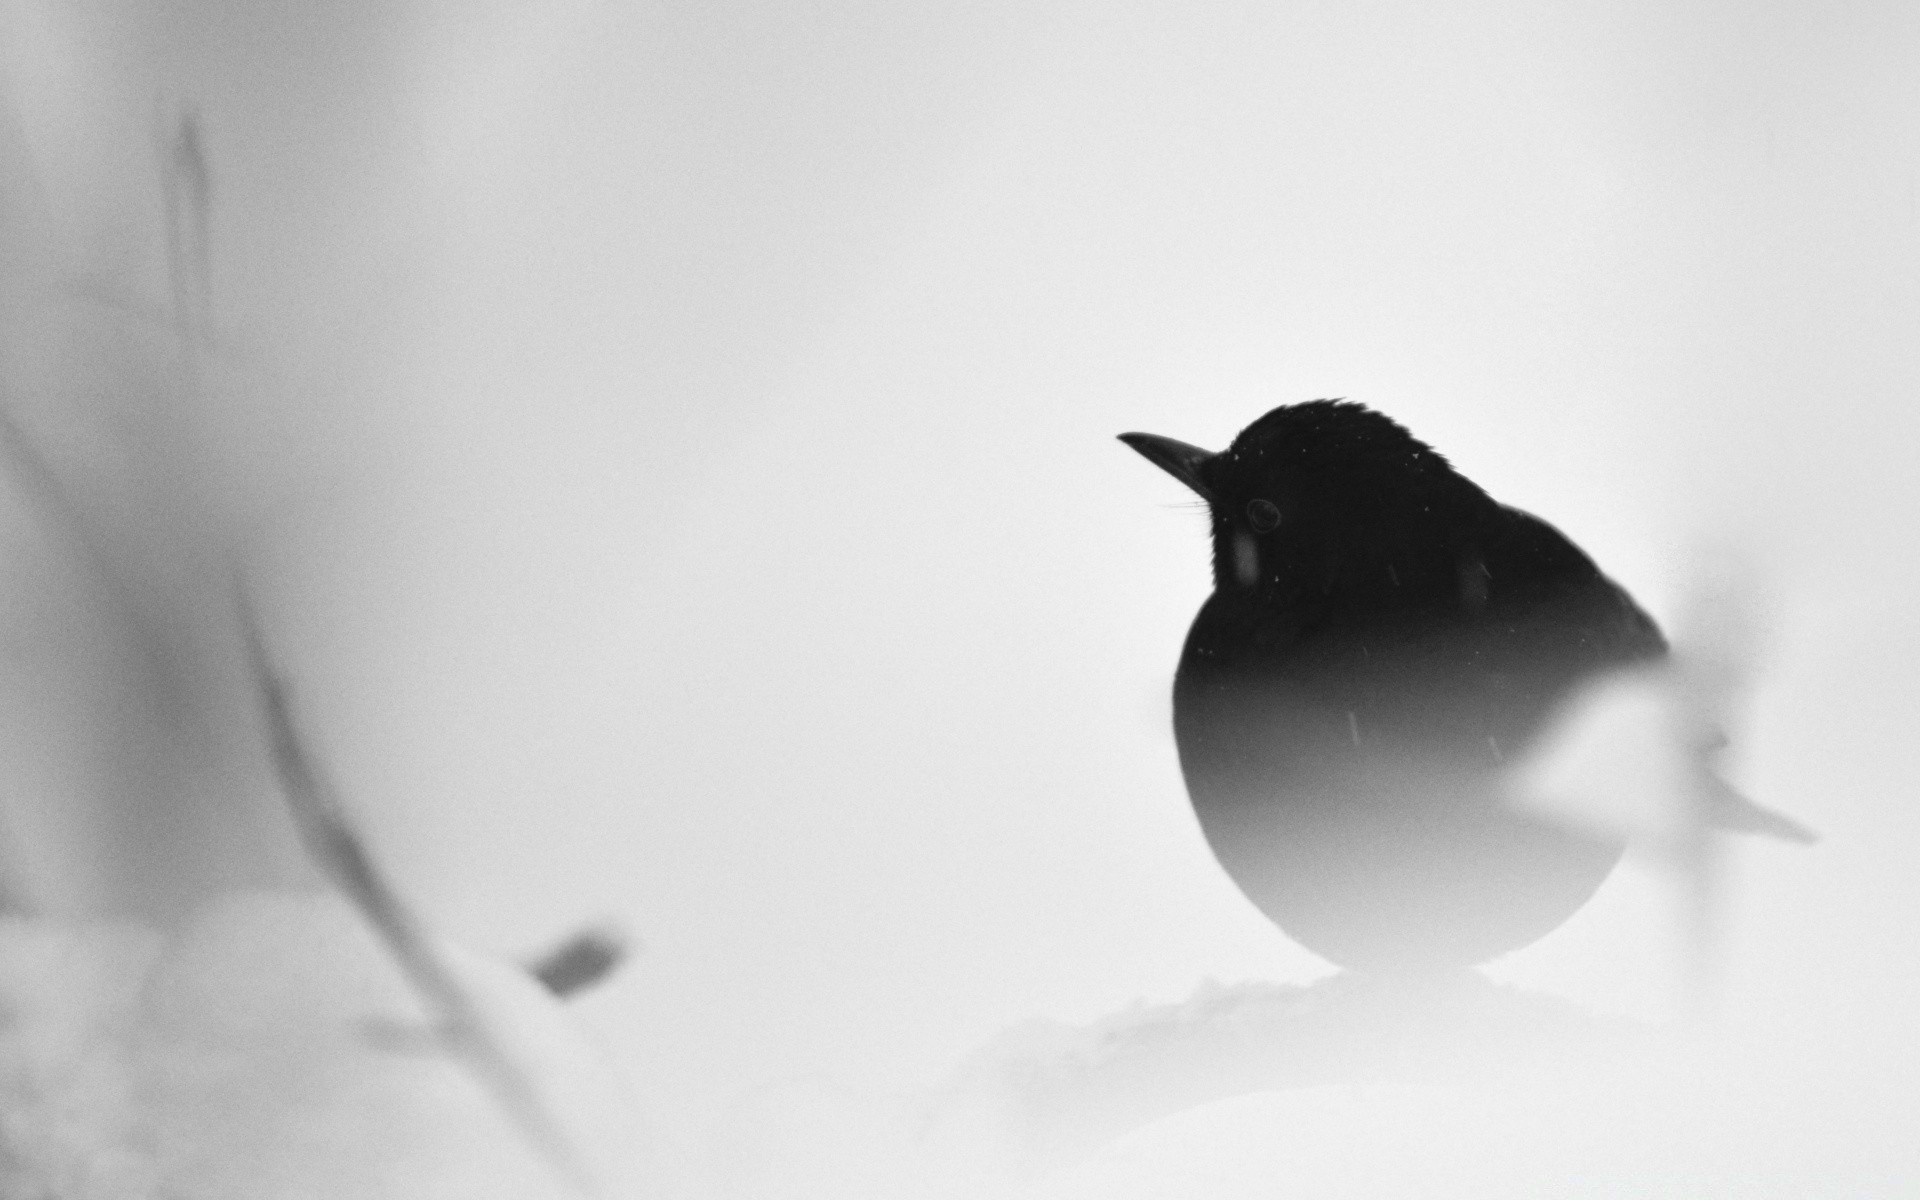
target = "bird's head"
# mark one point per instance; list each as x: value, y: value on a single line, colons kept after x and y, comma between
x: 1322, y: 497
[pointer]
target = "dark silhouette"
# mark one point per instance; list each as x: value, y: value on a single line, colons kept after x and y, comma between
x: 1382, y: 637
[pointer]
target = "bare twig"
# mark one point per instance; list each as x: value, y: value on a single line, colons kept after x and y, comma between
x: 342, y: 855
x: 581, y: 961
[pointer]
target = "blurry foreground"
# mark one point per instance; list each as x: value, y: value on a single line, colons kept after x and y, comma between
x: 270, y: 1051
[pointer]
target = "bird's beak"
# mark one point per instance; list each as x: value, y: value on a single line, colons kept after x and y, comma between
x: 1177, y: 459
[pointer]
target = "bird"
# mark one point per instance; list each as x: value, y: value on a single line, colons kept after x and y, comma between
x: 1382, y: 641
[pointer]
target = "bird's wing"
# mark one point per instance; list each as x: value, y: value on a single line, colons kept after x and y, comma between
x: 1535, y: 568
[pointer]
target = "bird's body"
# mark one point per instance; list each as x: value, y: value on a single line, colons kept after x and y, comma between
x: 1382, y: 637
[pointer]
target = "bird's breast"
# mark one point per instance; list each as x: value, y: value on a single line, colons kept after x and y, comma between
x: 1298, y: 717
x: 1349, y: 778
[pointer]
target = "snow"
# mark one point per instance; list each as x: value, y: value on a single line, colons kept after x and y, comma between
x: 244, y: 1058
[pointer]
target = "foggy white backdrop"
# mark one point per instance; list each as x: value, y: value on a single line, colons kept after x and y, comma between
x: 675, y: 445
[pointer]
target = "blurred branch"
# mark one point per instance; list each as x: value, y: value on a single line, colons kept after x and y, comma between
x: 102, y: 460
x: 581, y: 961
x: 342, y: 855
x: 152, y: 665
x: 187, y: 189
x: 14, y: 901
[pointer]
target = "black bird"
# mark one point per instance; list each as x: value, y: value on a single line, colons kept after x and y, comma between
x: 1381, y: 637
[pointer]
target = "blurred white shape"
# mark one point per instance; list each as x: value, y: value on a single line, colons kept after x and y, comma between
x: 1631, y: 757
x: 1611, y: 763
x: 68, y: 1122
x: 1631, y: 754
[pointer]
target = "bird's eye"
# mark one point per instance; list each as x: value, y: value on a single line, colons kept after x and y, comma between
x: 1264, y: 515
